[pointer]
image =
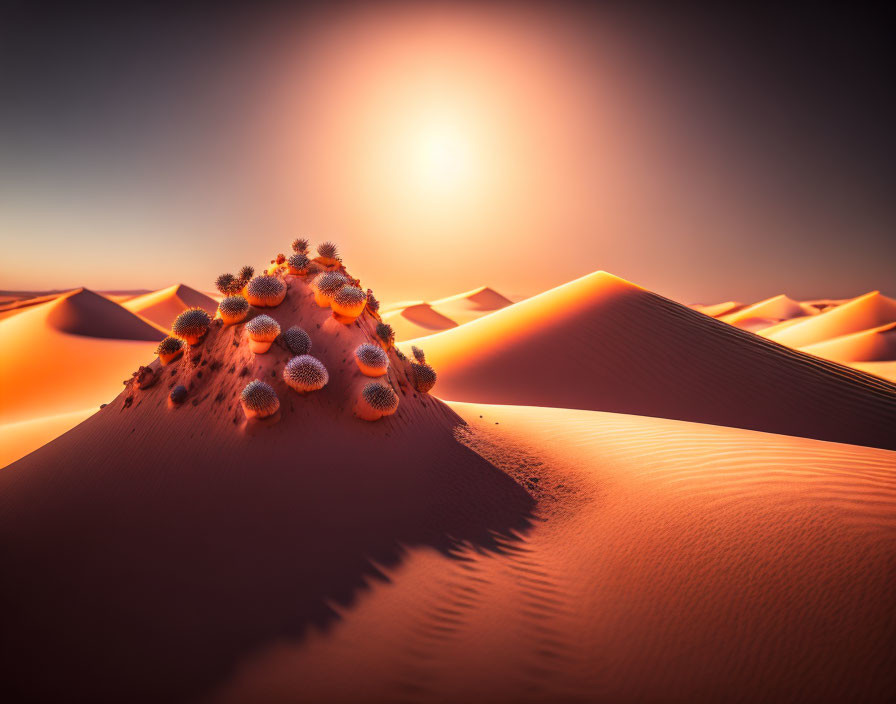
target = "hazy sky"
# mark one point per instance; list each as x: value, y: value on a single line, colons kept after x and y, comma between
x: 705, y: 155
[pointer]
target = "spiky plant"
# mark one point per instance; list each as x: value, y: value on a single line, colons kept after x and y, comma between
x: 246, y: 273
x: 373, y: 305
x: 259, y: 399
x: 224, y: 283
x: 263, y: 327
x: 385, y: 332
x: 233, y: 309
x: 280, y: 258
x: 372, y: 359
x: 328, y: 250
x: 329, y: 282
x: 297, y: 340
x: 299, y: 261
x: 418, y: 354
x: 305, y: 373
x: 300, y: 245
x: 191, y: 325
x: 170, y: 345
x: 380, y: 397
x: 265, y: 291
x: 424, y: 377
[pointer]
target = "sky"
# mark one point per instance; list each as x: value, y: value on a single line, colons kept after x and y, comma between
x: 705, y: 154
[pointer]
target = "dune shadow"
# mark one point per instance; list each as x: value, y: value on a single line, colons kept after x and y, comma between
x: 151, y: 578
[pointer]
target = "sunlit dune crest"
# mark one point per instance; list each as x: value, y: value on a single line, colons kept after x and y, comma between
x: 602, y: 343
x: 874, y: 345
x: 768, y: 312
x: 89, y: 314
x: 716, y: 310
x: 863, y: 313
x: 23, y: 437
x: 420, y: 318
x: 163, y: 306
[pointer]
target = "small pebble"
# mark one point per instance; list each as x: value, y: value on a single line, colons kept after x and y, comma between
x: 178, y: 394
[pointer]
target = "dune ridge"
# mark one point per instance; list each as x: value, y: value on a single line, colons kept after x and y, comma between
x: 164, y: 305
x: 768, y: 312
x: 421, y: 318
x: 874, y: 345
x: 601, y: 343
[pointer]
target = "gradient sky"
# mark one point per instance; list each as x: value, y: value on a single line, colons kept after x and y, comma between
x: 706, y: 155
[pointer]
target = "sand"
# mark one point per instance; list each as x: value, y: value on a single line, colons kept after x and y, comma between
x: 544, y: 555
x: 21, y: 438
x: 601, y: 343
x: 163, y: 306
x: 419, y: 318
x: 768, y: 312
x: 716, y: 310
x: 874, y: 345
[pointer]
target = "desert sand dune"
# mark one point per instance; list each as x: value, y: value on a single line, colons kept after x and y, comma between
x: 24, y: 437
x: 49, y: 365
x: 718, y: 309
x: 868, y: 311
x: 768, y: 312
x: 874, y: 345
x: 419, y: 318
x: 885, y: 370
x: 601, y: 343
x: 164, y: 305
x: 553, y: 556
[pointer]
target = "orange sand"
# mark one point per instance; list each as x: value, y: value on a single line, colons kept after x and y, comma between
x: 768, y: 312
x: 418, y: 319
x: 163, y: 306
x: 874, y: 345
x: 21, y: 438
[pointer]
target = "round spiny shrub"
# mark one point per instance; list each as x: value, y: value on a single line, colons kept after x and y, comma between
x: 170, y: 345
x: 385, y: 332
x: 424, y: 377
x: 371, y: 359
x: 298, y: 262
x: 300, y: 245
x: 263, y: 327
x: 246, y: 273
x: 350, y: 296
x: 418, y: 354
x: 328, y: 250
x: 225, y: 282
x: 265, y: 291
x: 380, y: 397
x: 259, y: 399
x: 178, y: 394
x: 233, y: 309
x: 305, y: 373
x: 191, y: 325
x: 329, y: 282
x: 372, y: 303
x: 297, y: 340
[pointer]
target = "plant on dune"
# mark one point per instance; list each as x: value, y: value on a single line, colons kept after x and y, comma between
x: 424, y: 377
x: 233, y: 309
x: 386, y: 334
x: 376, y: 400
x: 297, y: 340
x: 225, y: 283
x: 371, y: 359
x: 305, y: 373
x: 259, y: 399
x: 373, y: 305
x: 328, y: 250
x: 169, y: 349
x: 300, y: 245
x: 418, y: 354
x: 348, y: 302
x: 298, y: 264
x: 246, y: 273
x: 279, y: 259
x: 191, y: 325
x: 325, y: 286
x: 262, y: 331
x: 266, y: 291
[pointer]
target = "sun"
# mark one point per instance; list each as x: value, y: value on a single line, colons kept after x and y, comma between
x: 442, y: 157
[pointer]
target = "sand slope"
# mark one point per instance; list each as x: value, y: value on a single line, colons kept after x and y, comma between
x: 874, y: 345
x: 164, y: 305
x: 24, y: 437
x: 768, y: 312
x: 419, y: 318
x: 602, y: 343
x: 69, y: 354
x: 862, y: 313
x: 716, y: 310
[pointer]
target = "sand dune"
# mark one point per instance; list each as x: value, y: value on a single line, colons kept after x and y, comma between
x: 50, y: 364
x: 862, y: 313
x: 419, y: 318
x: 164, y: 305
x: 602, y: 343
x: 718, y: 309
x: 768, y: 312
x: 885, y: 370
x: 554, y: 555
x: 24, y: 437
x: 874, y: 345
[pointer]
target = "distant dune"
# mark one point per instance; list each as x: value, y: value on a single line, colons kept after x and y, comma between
x: 418, y: 319
x: 768, y: 312
x: 718, y: 309
x: 163, y: 306
x: 874, y: 345
x: 862, y: 313
x: 602, y: 343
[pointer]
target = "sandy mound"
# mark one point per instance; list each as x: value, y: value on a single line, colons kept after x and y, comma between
x: 885, y: 370
x: 874, y: 345
x: 45, y: 370
x: 419, y: 318
x: 862, y: 313
x: 602, y: 343
x: 768, y: 312
x: 163, y: 306
x: 718, y: 309
x: 192, y: 534
x: 24, y: 437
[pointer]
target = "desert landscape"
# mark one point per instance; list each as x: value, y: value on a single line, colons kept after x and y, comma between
x: 447, y: 353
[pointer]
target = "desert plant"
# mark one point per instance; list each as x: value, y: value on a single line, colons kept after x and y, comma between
x: 262, y: 331
x: 266, y: 291
x: 297, y: 340
x: 169, y: 349
x: 373, y: 305
x: 246, y: 273
x: 371, y: 359
x: 376, y: 400
x: 298, y: 264
x: 348, y: 302
x: 424, y: 377
x: 325, y: 286
x: 305, y: 373
x: 259, y: 399
x: 191, y: 325
x: 386, y: 334
x: 418, y: 354
x: 328, y: 250
x: 281, y: 258
x: 233, y: 309
x: 300, y: 245
x: 225, y: 283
